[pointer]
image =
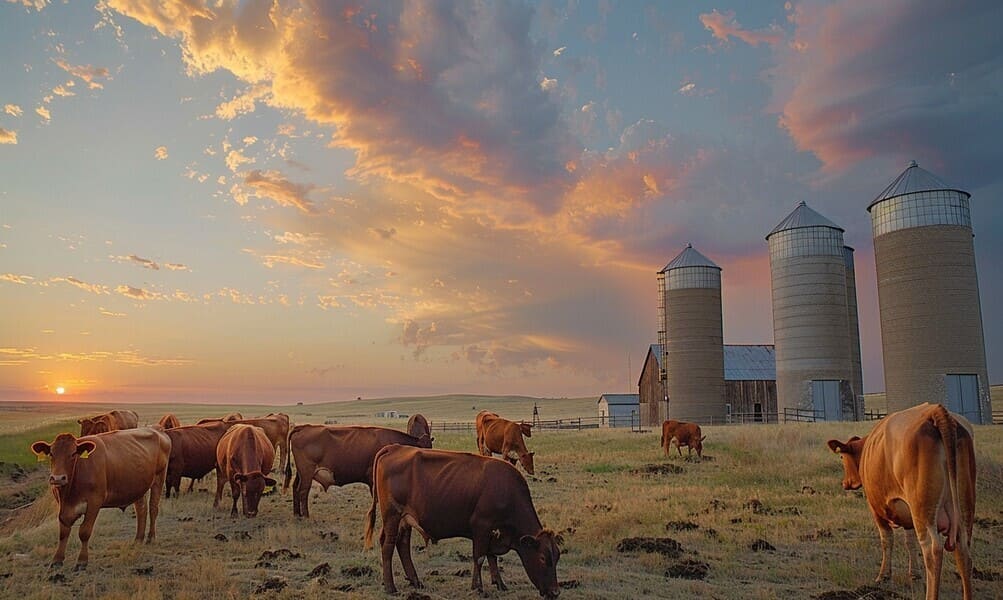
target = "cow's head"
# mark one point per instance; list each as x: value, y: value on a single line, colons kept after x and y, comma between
x: 252, y: 486
x: 698, y: 446
x: 539, y: 554
x: 62, y: 455
x: 526, y: 428
x: 526, y: 460
x: 849, y: 453
x: 93, y: 426
x: 425, y: 440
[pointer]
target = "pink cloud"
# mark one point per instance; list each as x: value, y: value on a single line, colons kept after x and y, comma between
x: 724, y: 26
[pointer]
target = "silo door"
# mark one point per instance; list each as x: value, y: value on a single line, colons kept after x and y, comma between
x: 963, y: 396
x: 825, y: 399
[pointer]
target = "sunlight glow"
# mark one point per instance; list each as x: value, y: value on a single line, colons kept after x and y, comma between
x: 60, y: 390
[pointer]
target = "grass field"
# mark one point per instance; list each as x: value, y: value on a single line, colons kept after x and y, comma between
x: 763, y: 514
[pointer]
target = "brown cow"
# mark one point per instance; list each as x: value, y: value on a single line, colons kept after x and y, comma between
x: 917, y: 468
x: 276, y: 427
x: 109, y: 470
x: 446, y: 494
x: 338, y: 455
x: 244, y: 457
x: 684, y: 434
x: 109, y: 421
x: 193, y: 453
x: 418, y: 425
x: 501, y: 436
x: 169, y: 421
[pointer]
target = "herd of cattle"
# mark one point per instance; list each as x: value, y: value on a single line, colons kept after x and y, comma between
x: 917, y: 469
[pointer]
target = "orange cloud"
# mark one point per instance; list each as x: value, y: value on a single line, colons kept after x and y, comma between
x: 87, y: 73
x: 93, y: 288
x: 724, y: 26
x: 7, y: 136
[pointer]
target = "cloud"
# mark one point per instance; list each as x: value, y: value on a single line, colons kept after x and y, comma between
x: 137, y: 260
x: 36, y: 4
x: 109, y: 313
x: 274, y: 185
x: 87, y: 73
x: 93, y: 288
x: 138, y: 293
x: 18, y: 279
x: 724, y: 26
x: 852, y: 86
x: 548, y: 84
x: 63, y: 91
x: 560, y: 51
x: 687, y: 88
x: 242, y: 103
x: 176, y: 267
x: 234, y: 159
x: 44, y: 113
x: 13, y: 110
x: 7, y: 136
x: 160, y: 153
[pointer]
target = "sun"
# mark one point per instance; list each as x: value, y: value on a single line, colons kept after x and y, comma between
x: 60, y: 390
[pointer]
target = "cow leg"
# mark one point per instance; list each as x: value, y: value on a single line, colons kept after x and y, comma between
x: 141, y: 509
x: 679, y: 448
x: 912, y: 550
x: 235, y: 492
x: 64, y: 536
x: 297, y: 510
x: 219, y: 487
x: 933, y: 557
x: 191, y: 485
x: 388, y: 540
x: 963, y: 560
x: 86, y: 529
x: 158, y: 482
x: 495, y: 573
x: 887, y: 543
x: 404, y: 552
x: 481, y: 548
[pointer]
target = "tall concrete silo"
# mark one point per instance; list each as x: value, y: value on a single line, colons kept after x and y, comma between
x: 693, y: 340
x: 928, y: 293
x: 856, y: 370
x: 811, y: 322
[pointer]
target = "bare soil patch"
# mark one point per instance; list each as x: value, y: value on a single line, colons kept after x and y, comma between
x: 866, y: 592
x: 688, y: 569
x: 667, y: 547
x: 659, y: 469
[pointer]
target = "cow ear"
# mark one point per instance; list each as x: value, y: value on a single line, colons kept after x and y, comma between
x: 836, y: 446
x: 269, y: 482
x: 853, y: 439
x: 42, y: 450
x: 85, y: 448
x: 530, y: 542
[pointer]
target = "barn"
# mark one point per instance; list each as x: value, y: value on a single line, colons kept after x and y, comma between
x: 618, y: 410
x: 750, y: 385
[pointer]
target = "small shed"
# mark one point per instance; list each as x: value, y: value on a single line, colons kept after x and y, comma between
x: 750, y: 383
x: 619, y: 410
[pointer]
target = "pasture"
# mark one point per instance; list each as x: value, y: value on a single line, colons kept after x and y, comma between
x: 762, y: 516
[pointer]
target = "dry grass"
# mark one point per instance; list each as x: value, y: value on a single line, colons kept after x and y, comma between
x: 775, y: 483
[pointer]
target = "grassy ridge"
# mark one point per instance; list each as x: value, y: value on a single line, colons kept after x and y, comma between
x: 14, y: 447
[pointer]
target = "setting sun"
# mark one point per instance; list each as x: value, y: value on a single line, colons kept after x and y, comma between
x: 60, y: 390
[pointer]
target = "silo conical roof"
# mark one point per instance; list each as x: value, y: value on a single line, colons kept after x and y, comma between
x: 689, y: 257
x: 914, y: 179
x: 803, y: 216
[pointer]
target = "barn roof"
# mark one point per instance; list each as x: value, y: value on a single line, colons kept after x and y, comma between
x: 620, y: 398
x: 754, y: 362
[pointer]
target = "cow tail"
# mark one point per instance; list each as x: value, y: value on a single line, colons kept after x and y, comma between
x: 663, y: 437
x: 289, y: 461
x: 371, y: 515
x: 948, y: 428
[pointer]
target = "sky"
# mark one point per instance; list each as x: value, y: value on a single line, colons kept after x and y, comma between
x: 281, y: 201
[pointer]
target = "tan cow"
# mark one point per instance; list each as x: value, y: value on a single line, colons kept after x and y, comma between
x: 276, y: 427
x: 109, y: 421
x: 418, y: 426
x: 244, y: 457
x: 169, y: 421
x: 338, y: 455
x: 108, y: 470
x: 446, y: 494
x: 683, y: 434
x: 501, y: 436
x: 917, y: 468
x: 193, y: 453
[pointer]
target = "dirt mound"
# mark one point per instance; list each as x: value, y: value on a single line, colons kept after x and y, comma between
x: 264, y: 561
x: 816, y: 535
x: 417, y: 596
x: 667, y: 547
x: 364, y: 571
x: 688, y: 569
x: 681, y: 526
x: 319, y: 571
x: 762, y: 545
x: 659, y: 469
x: 758, y: 508
x: 272, y: 583
x: 569, y: 584
x: 866, y: 592
x: 986, y: 575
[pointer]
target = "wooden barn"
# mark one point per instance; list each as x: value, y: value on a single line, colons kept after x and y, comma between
x: 618, y: 410
x: 750, y: 385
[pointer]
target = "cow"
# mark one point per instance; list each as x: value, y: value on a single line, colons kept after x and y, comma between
x: 107, y: 470
x: 169, y: 421
x: 501, y: 436
x: 193, y: 453
x: 444, y: 494
x: 244, y: 457
x: 683, y: 434
x: 418, y: 425
x: 338, y: 455
x: 276, y: 427
x: 109, y: 421
x: 917, y: 468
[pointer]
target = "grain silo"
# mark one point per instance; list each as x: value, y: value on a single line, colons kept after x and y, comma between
x: 811, y: 328
x: 691, y: 337
x: 856, y: 371
x: 928, y: 292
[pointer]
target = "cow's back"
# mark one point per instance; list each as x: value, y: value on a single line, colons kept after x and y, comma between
x: 124, y: 419
x: 129, y: 460
x: 346, y: 450
x: 194, y: 447
x: 245, y: 448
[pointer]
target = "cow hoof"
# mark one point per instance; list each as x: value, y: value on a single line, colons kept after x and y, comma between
x: 56, y: 564
x: 417, y: 585
x: 390, y: 589
x: 501, y: 587
x: 80, y: 567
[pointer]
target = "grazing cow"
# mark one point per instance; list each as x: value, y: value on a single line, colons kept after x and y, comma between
x: 193, y: 453
x: 917, y: 468
x: 338, y: 455
x: 234, y: 416
x: 109, y: 470
x: 109, y: 421
x: 446, y: 494
x: 169, y: 421
x: 501, y: 436
x: 683, y: 434
x: 244, y: 457
x: 276, y: 427
x: 418, y: 425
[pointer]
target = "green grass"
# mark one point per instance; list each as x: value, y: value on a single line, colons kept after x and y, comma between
x: 15, y: 447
